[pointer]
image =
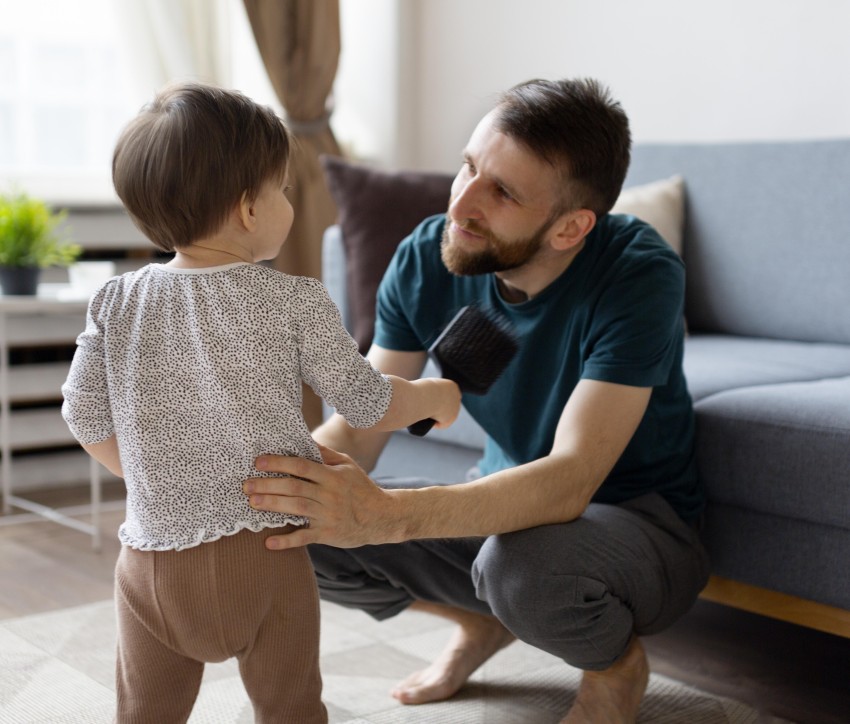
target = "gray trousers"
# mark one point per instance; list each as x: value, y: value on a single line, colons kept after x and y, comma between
x: 577, y: 590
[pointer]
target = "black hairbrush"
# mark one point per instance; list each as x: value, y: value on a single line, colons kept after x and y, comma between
x: 473, y: 350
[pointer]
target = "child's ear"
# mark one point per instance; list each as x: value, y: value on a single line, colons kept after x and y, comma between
x: 246, y: 213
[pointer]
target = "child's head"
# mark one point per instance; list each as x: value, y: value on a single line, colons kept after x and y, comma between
x: 182, y: 165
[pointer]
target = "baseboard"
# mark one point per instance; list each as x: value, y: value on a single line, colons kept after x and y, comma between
x: 792, y: 609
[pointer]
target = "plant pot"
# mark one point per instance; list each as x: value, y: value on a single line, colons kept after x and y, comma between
x: 19, y: 279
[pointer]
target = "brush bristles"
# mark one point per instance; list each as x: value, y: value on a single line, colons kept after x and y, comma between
x: 475, y: 349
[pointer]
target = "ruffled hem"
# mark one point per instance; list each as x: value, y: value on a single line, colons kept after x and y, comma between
x: 254, y: 527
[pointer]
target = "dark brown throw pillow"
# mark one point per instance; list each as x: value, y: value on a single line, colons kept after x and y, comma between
x: 377, y: 209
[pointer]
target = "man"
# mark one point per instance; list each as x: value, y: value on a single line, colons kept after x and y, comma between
x: 580, y: 534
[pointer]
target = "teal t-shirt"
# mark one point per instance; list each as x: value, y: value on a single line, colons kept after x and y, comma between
x: 615, y: 315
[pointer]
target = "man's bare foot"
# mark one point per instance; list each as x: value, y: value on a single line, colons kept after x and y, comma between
x: 475, y: 640
x: 612, y: 696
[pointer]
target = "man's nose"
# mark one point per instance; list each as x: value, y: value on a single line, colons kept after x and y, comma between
x: 465, y: 202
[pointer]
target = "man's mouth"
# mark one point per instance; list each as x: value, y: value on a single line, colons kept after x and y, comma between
x: 467, y: 233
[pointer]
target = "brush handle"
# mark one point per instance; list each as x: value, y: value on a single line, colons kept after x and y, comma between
x: 421, y: 428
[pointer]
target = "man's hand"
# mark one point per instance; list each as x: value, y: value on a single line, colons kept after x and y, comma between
x: 345, y: 507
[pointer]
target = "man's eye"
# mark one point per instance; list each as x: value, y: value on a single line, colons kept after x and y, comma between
x: 504, y: 193
x: 469, y: 167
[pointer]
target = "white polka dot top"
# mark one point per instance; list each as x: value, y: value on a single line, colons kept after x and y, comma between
x: 198, y: 371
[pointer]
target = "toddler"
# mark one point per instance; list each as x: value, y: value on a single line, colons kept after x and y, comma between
x: 185, y: 373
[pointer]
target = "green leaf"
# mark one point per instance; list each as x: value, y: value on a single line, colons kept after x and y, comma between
x: 28, y: 234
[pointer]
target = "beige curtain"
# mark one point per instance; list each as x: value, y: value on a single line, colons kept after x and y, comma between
x: 299, y: 42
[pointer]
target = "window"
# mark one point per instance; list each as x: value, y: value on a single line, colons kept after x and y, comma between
x: 63, y: 98
x: 66, y: 92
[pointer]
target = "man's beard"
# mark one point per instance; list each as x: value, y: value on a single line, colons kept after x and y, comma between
x: 500, y: 255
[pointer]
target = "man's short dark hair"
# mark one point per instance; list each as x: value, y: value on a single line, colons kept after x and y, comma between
x: 181, y: 166
x: 575, y: 126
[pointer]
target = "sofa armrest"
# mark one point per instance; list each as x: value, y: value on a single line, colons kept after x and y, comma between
x: 333, y: 271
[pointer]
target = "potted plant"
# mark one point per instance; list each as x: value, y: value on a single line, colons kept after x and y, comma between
x: 29, y: 242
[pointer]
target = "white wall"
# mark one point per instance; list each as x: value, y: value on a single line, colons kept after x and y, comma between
x: 684, y: 71
x: 368, y: 109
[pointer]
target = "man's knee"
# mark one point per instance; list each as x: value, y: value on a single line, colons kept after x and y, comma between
x: 343, y: 579
x: 563, y: 609
x: 528, y: 567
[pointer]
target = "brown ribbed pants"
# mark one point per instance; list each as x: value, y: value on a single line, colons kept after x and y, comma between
x: 229, y: 598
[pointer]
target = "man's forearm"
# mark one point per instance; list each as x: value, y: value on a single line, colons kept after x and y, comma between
x: 347, y: 509
x: 550, y: 490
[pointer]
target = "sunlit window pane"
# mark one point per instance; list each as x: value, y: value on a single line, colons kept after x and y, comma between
x: 105, y: 68
x: 61, y: 137
x: 7, y: 135
x: 66, y: 90
x: 59, y: 68
x: 8, y: 64
x: 64, y: 96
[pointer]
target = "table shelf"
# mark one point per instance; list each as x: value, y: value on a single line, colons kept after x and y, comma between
x: 31, y: 399
x: 37, y: 382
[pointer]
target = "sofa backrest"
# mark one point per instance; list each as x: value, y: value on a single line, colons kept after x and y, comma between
x: 767, y: 235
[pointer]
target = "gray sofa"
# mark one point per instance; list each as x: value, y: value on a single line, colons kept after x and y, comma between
x: 766, y: 242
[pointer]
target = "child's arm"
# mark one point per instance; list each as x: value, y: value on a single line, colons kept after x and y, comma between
x: 417, y: 400
x: 106, y: 453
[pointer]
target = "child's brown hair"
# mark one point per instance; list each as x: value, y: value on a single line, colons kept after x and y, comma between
x: 182, y: 165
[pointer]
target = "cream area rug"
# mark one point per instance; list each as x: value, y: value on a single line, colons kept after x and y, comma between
x: 58, y: 667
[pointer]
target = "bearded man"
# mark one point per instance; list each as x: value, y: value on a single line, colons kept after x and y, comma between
x: 580, y: 535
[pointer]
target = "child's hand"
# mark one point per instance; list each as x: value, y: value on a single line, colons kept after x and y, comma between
x: 447, y: 399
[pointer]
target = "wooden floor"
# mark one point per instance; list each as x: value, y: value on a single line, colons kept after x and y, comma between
x: 780, y: 669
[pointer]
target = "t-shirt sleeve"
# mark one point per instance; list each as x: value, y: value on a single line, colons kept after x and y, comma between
x: 331, y: 363
x: 400, y: 284
x: 86, y: 407
x: 638, y: 323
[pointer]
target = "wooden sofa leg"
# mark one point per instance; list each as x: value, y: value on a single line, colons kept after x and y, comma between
x: 778, y: 605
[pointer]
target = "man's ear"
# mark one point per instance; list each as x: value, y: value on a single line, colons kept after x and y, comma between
x: 571, y: 228
x: 245, y: 212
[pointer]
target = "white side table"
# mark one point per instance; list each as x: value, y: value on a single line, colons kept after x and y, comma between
x: 54, y: 316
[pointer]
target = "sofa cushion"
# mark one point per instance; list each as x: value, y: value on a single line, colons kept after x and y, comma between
x: 780, y: 449
x: 376, y: 210
x: 660, y: 204
x: 714, y: 363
